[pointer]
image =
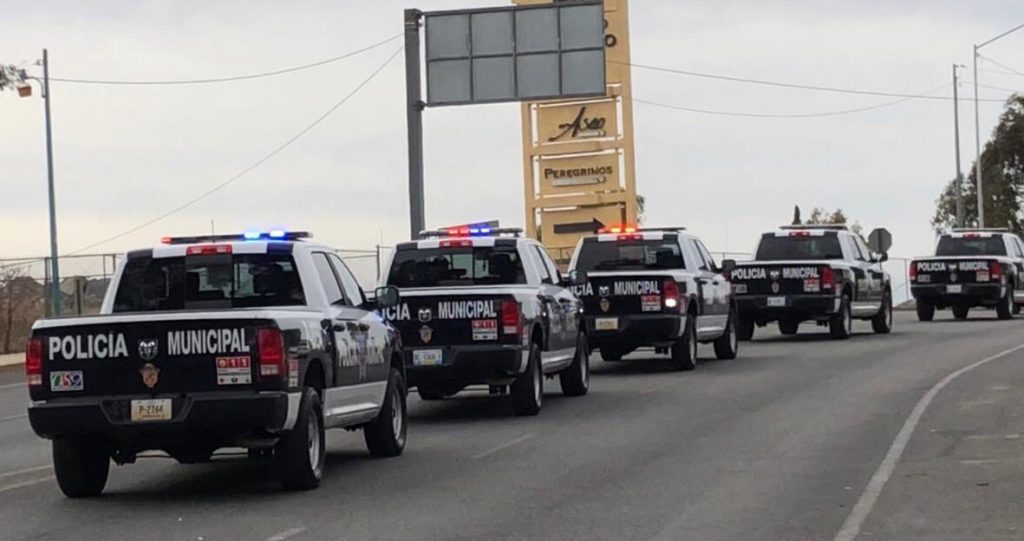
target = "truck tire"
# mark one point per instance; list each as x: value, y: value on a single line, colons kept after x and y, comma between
x: 1016, y: 309
x: 788, y: 327
x: 610, y: 355
x: 840, y: 326
x: 882, y: 323
x: 1004, y: 310
x: 575, y: 380
x: 961, y: 311
x: 528, y: 388
x: 385, y: 435
x: 684, y: 351
x: 745, y: 329
x: 81, y: 467
x: 299, y: 456
x: 925, y: 310
x: 728, y: 345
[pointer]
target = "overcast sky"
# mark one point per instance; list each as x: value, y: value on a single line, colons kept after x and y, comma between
x: 124, y: 155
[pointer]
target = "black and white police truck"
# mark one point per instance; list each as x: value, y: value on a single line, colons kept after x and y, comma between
x: 260, y: 341
x: 970, y: 268
x: 821, y: 273
x: 484, y: 306
x: 654, y: 287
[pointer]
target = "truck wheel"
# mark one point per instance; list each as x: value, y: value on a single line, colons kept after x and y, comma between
x: 925, y: 310
x: 788, y: 327
x: 960, y: 311
x: 575, y: 380
x: 610, y: 355
x: 745, y: 329
x: 300, y: 454
x: 840, y: 326
x: 528, y: 388
x: 728, y: 345
x: 1016, y: 309
x: 81, y: 467
x: 385, y: 435
x: 1004, y: 310
x: 684, y: 351
x: 882, y: 323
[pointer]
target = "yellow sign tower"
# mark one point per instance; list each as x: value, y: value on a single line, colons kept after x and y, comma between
x: 578, y: 157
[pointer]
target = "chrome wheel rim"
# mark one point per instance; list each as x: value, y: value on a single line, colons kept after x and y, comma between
x: 585, y: 366
x: 847, y: 320
x: 734, y: 339
x: 538, y: 392
x: 313, y: 441
x: 397, y: 421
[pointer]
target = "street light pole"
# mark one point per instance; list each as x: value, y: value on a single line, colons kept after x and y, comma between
x: 956, y: 137
x: 977, y: 124
x: 55, y: 295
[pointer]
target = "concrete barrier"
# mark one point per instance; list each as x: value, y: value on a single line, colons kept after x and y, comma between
x: 12, y: 359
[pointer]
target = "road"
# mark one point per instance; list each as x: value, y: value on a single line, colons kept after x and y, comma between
x: 780, y: 443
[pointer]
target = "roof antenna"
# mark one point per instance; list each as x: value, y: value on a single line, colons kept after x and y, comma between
x: 213, y: 230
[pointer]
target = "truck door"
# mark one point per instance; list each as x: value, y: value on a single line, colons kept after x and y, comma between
x: 560, y: 304
x: 874, y: 272
x: 710, y: 291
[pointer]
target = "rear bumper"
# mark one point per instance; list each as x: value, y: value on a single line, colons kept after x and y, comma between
x: 467, y: 365
x: 636, y: 330
x: 972, y: 294
x: 798, y: 307
x: 217, y: 417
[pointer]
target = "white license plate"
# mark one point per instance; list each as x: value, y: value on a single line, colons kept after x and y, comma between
x: 982, y: 276
x: 606, y: 324
x: 427, y: 357
x: 958, y: 288
x: 777, y: 302
x: 144, y: 411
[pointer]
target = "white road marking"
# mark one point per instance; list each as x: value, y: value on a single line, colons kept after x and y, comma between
x: 851, y: 527
x: 287, y: 534
x: 27, y: 483
x: 13, y: 417
x: 504, y: 446
x: 994, y: 437
x: 25, y: 471
x: 978, y: 461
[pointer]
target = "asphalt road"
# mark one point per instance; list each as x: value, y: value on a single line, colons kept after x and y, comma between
x: 778, y: 444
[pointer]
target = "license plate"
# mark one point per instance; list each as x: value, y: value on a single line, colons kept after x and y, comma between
x: 982, y: 276
x: 777, y: 302
x: 739, y: 289
x: 606, y: 324
x: 144, y: 411
x: 427, y: 357
x: 958, y: 288
x: 650, y: 303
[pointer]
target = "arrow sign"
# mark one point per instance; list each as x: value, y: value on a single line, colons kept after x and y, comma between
x: 578, y: 227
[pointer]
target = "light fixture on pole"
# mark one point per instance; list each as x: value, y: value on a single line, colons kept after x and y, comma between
x: 11, y: 76
x: 977, y: 125
x: 956, y: 140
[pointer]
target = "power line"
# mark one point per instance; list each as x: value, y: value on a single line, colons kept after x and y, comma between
x: 793, y: 115
x: 252, y: 167
x: 763, y: 82
x: 233, y: 78
x: 1001, y: 65
x: 1004, y: 89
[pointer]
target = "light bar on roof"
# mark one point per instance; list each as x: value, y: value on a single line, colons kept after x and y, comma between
x: 275, y: 235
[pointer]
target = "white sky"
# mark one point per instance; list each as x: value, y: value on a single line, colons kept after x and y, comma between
x: 127, y: 154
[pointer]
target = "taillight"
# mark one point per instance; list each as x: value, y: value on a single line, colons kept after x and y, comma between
x: 828, y: 278
x: 270, y: 343
x: 511, y: 322
x: 913, y: 271
x: 671, y: 291
x: 995, y: 271
x: 209, y: 249
x: 34, y: 362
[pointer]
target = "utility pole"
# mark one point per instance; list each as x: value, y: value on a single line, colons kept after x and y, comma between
x: 55, y: 296
x: 977, y: 124
x: 956, y: 137
x: 414, y: 120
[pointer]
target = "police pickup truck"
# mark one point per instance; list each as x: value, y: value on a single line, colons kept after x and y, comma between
x: 971, y: 267
x: 483, y: 306
x: 821, y: 273
x: 655, y: 288
x: 259, y: 341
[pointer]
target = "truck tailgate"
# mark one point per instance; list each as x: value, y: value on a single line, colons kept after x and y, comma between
x: 448, y: 320
x: 780, y: 278
x: 954, y: 270
x: 624, y: 294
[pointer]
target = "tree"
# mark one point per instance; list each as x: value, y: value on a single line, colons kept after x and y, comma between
x: 821, y: 216
x: 796, y: 215
x: 1002, y: 163
x: 641, y: 209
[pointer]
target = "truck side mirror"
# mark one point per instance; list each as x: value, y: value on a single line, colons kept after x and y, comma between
x: 387, y: 297
x: 577, y: 277
x: 728, y: 265
x: 881, y: 258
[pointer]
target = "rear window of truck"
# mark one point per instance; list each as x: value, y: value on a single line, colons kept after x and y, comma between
x: 970, y: 246
x: 793, y: 248
x: 209, y: 282
x: 630, y: 255
x: 457, y: 266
